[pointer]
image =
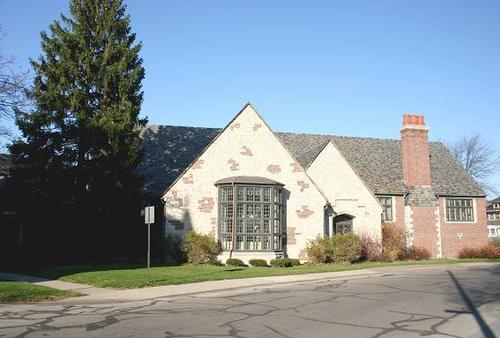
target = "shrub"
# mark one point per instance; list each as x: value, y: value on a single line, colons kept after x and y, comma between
x: 234, y: 262
x: 200, y: 249
x: 294, y: 261
x: 495, y: 241
x: 344, y: 248
x: 393, y: 242
x: 318, y: 251
x: 215, y: 262
x: 370, y: 249
x: 487, y: 251
x: 281, y: 263
x: 258, y: 262
x: 417, y: 253
x: 173, y: 252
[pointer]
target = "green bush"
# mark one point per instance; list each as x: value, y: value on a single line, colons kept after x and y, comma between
x: 173, y: 250
x: 258, y: 262
x: 281, y: 263
x: 393, y: 242
x: 417, y: 253
x: 201, y: 249
x: 294, y: 261
x: 342, y: 248
x: 346, y: 248
x: 234, y: 262
x: 318, y: 251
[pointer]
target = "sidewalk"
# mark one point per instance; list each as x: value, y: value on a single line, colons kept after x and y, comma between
x: 55, y: 284
x: 95, y: 295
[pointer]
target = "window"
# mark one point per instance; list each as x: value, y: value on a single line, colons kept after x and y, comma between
x: 387, y: 214
x: 459, y: 210
x: 257, y: 215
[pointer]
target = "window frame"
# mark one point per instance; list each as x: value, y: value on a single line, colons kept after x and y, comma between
x: 251, y: 215
x: 384, y: 207
x: 470, y: 217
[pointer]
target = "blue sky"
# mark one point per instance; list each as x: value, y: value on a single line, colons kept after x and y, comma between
x: 345, y: 68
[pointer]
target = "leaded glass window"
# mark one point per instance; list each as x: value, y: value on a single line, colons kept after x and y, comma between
x: 257, y: 213
x: 459, y: 210
x: 387, y: 213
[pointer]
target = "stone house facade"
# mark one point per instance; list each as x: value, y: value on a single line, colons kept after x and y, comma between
x: 266, y: 194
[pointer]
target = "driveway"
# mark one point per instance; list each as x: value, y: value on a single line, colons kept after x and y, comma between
x: 451, y: 301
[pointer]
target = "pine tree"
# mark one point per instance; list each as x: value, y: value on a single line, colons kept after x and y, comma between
x: 80, y: 144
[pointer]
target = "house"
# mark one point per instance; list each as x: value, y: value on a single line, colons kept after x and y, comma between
x: 266, y: 194
x: 493, y: 212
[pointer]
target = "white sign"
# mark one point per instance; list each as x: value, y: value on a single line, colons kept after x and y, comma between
x: 149, y: 215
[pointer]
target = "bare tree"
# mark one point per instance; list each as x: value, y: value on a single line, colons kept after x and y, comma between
x: 13, y: 92
x: 477, y: 157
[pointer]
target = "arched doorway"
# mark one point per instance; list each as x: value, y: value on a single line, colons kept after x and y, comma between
x: 342, y: 224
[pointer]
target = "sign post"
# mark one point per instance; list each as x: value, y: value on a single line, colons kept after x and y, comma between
x: 149, y: 217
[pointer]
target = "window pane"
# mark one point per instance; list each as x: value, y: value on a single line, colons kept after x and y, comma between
x: 239, y: 226
x: 241, y: 193
x: 239, y: 243
x: 258, y: 194
x: 258, y: 211
x: 266, y: 243
x: 250, y: 194
x: 257, y: 226
x: 239, y: 210
x: 249, y: 213
x: 249, y: 226
x: 267, y: 195
x: 267, y: 226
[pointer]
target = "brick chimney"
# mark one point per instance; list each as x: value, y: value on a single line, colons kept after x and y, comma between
x: 415, y: 151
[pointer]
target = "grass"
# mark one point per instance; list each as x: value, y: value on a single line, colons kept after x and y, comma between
x: 124, y: 277
x: 22, y: 292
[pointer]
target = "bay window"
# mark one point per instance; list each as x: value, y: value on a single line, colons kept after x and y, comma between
x: 250, y: 214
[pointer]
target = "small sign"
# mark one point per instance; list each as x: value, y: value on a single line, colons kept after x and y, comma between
x: 149, y: 215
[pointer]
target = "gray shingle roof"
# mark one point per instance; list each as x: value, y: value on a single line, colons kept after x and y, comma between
x: 169, y: 150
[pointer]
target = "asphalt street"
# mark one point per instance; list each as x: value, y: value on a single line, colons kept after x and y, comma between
x: 458, y: 301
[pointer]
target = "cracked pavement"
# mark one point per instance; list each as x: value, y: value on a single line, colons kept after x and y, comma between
x: 459, y: 301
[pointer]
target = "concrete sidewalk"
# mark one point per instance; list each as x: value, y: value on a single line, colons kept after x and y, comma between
x: 96, y: 295
x: 85, y: 289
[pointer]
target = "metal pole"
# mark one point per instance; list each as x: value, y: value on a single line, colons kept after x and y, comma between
x: 149, y: 248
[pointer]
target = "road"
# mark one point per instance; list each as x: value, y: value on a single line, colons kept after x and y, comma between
x: 458, y: 301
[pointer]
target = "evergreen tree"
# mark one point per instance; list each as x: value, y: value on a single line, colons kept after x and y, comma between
x: 80, y: 144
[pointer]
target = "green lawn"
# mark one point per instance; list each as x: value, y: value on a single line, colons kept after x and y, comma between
x: 136, y: 277
x: 22, y: 292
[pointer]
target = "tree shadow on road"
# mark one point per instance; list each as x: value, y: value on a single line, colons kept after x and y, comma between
x: 477, y: 297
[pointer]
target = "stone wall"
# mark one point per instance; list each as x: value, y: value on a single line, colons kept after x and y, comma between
x: 247, y: 147
x: 346, y: 191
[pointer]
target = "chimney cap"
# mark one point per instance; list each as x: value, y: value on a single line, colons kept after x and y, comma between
x: 413, y: 120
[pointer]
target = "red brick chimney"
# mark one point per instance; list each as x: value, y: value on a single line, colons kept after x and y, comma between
x: 415, y: 151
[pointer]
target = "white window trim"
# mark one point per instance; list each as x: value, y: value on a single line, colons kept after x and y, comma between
x: 474, y: 210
